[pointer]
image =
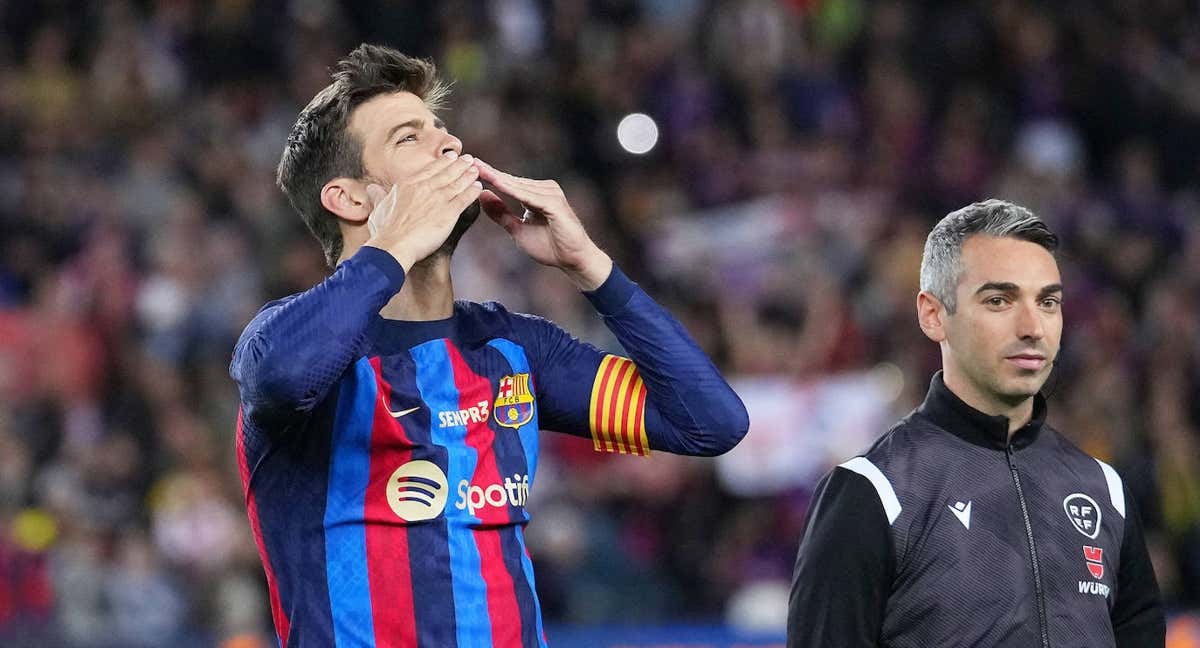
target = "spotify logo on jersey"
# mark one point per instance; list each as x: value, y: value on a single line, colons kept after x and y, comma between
x: 417, y: 491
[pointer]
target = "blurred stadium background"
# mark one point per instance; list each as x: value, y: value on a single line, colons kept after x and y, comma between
x: 799, y: 151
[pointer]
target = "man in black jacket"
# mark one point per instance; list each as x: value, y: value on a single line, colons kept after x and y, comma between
x: 972, y: 522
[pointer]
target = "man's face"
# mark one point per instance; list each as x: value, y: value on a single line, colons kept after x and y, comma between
x: 400, y: 136
x: 1006, y: 332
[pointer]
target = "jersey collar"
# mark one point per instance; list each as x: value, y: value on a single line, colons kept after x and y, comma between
x: 389, y: 336
x: 946, y: 410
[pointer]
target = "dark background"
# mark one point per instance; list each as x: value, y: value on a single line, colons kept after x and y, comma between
x: 806, y: 148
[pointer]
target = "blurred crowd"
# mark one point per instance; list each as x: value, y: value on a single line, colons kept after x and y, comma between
x: 805, y: 149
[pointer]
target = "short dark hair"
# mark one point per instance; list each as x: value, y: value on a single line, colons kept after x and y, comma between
x: 941, y: 264
x: 321, y: 147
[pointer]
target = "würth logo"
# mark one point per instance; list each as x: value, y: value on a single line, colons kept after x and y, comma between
x: 1083, y: 513
x: 1095, y: 560
x: 1095, y: 564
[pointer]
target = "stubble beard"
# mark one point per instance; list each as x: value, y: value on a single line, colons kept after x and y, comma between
x: 1010, y: 389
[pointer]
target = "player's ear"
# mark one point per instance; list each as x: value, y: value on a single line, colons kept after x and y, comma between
x: 347, y: 199
x: 931, y: 314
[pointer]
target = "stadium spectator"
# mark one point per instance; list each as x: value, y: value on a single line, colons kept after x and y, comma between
x: 873, y: 121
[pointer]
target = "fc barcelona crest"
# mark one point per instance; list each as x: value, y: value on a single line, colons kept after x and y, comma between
x: 514, y: 401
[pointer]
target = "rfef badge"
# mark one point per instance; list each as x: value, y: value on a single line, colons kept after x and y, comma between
x: 514, y: 401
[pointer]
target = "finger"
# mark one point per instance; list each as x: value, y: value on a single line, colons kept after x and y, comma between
x: 376, y: 194
x: 452, y: 172
x: 467, y: 196
x: 547, y: 187
x: 497, y: 210
x: 435, y: 167
x: 492, y: 173
x: 459, y: 184
x: 378, y: 198
x: 500, y: 208
x: 490, y: 202
x: 494, y: 205
x: 385, y: 203
x: 516, y: 188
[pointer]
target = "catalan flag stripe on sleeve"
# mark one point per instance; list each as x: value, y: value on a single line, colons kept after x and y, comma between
x: 618, y: 408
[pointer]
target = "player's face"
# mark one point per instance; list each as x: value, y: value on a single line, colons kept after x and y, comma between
x: 1005, y: 334
x: 400, y: 136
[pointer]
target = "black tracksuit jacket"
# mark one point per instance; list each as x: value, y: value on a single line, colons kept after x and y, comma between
x: 945, y: 534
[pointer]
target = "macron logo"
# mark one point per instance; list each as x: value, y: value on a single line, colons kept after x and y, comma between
x: 962, y: 512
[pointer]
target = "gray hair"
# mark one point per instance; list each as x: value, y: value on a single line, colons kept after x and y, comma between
x: 941, y: 264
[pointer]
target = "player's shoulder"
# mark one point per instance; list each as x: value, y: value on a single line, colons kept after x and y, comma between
x: 1063, y: 445
x: 1064, y: 452
x: 902, y: 437
x: 485, y: 316
x: 263, y: 315
x: 878, y: 472
x: 889, y: 456
x: 481, y: 309
x: 490, y: 319
x: 490, y: 312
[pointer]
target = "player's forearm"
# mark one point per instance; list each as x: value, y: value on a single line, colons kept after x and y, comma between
x: 691, y: 409
x: 291, y: 354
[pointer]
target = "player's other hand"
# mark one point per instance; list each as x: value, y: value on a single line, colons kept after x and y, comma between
x: 545, y: 228
x: 414, y: 218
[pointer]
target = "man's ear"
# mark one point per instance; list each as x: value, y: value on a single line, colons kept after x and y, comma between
x: 931, y: 315
x: 347, y: 199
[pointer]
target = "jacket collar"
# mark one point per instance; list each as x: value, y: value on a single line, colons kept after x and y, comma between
x: 950, y: 413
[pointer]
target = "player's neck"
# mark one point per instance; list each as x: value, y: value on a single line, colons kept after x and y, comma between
x: 427, y: 294
x: 1018, y: 413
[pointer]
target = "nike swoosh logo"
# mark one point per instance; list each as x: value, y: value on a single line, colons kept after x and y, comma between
x: 403, y: 412
x: 962, y: 512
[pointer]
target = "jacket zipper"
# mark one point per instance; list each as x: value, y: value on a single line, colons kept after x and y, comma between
x: 1037, y: 572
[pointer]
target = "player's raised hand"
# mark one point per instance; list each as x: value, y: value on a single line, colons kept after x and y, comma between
x: 413, y: 219
x: 547, y: 229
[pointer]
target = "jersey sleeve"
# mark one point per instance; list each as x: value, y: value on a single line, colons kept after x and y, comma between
x: 1137, y: 615
x: 293, y: 351
x: 666, y: 395
x: 844, y: 568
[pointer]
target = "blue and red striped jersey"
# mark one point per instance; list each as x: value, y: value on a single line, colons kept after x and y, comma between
x: 386, y: 464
